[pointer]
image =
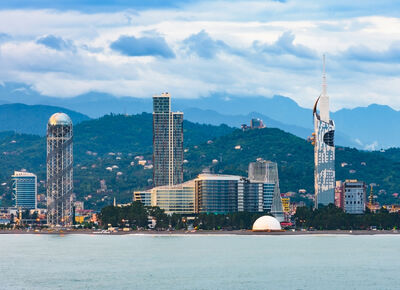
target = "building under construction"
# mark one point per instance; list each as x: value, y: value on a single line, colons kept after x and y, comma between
x: 59, y: 170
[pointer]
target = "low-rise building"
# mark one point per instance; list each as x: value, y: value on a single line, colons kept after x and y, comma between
x: 143, y: 196
x: 217, y: 193
x: 256, y: 123
x: 178, y: 198
x: 339, y: 195
x: 354, y: 192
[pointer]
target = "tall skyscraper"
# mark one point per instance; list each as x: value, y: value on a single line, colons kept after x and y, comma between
x: 324, y: 149
x: 167, y: 142
x: 24, y: 188
x: 59, y: 170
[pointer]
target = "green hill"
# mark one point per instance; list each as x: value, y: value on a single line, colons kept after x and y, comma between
x: 296, y: 161
x: 115, y: 140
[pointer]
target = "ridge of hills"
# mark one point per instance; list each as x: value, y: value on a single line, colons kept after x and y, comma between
x: 368, y: 127
x: 114, y: 141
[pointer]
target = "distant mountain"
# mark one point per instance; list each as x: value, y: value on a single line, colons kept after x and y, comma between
x: 364, y: 128
x: 215, y: 118
x: 32, y: 119
x: 372, y: 127
x: 93, y: 104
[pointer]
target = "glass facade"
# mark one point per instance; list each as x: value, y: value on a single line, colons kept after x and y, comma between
x: 253, y: 197
x: 268, y: 195
x: 218, y: 193
x: 143, y: 196
x: 266, y: 173
x: 178, y: 199
x: 167, y: 142
x: 24, y: 186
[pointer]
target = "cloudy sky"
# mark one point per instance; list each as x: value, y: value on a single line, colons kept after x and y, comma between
x: 197, y: 48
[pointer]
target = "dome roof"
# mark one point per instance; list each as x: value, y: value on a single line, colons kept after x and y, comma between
x: 267, y: 223
x: 60, y: 119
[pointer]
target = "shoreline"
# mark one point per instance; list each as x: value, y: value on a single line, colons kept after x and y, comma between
x: 201, y: 232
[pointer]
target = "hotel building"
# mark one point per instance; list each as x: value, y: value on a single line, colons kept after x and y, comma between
x: 24, y: 187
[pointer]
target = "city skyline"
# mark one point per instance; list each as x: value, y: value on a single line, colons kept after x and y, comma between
x: 188, y: 144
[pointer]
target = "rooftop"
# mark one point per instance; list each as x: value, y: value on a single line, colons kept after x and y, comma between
x: 60, y: 119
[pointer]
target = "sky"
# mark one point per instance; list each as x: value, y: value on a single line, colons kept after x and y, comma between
x: 199, y: 48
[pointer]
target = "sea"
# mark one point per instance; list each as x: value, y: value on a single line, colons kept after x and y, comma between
x: 199, y: 262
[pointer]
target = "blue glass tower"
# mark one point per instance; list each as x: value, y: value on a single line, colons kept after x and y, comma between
x: 24, y: 186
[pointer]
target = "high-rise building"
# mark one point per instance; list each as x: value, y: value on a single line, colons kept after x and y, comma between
x: 324, y: 149
x: 167, y: 142
x: 266, y: 172
x: 24, y: 186
x: 59, y: 170
x: 354, y: 196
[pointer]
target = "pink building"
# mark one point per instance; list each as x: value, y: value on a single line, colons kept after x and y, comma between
x: 339, y: 194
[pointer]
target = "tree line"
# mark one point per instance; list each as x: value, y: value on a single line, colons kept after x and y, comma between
x: 138, y: 216
x: 332, y: 218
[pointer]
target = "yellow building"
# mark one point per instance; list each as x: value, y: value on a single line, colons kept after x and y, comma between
x: 178, y: 198
x: 286, y: 204
x: 143, y: 196
x: 173, y: 199
x: 79, y: 219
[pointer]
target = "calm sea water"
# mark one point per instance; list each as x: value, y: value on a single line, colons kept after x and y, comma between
x: 199, y: 262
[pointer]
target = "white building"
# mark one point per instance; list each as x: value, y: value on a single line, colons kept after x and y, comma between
x: 354, y: 196
x: 324, y: 149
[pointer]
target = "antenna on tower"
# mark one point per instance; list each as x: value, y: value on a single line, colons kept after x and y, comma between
x: 323, y: 76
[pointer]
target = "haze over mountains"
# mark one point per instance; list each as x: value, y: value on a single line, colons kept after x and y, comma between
x: 369, y: 127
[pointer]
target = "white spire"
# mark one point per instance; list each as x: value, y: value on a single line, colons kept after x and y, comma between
x: 323, y: 76
x: 324, y: 100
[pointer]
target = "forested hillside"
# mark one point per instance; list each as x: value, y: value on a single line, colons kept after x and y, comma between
x: 109, y: 148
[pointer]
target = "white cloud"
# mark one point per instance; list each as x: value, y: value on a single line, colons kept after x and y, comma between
x: 255, y: 60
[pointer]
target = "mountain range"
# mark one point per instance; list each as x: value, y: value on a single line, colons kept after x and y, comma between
x: 368, y: 128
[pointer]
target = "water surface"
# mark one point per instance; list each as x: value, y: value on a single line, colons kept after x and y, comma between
x: 199, y: 262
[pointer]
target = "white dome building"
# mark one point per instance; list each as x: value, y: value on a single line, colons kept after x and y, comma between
x: 266, y: 224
